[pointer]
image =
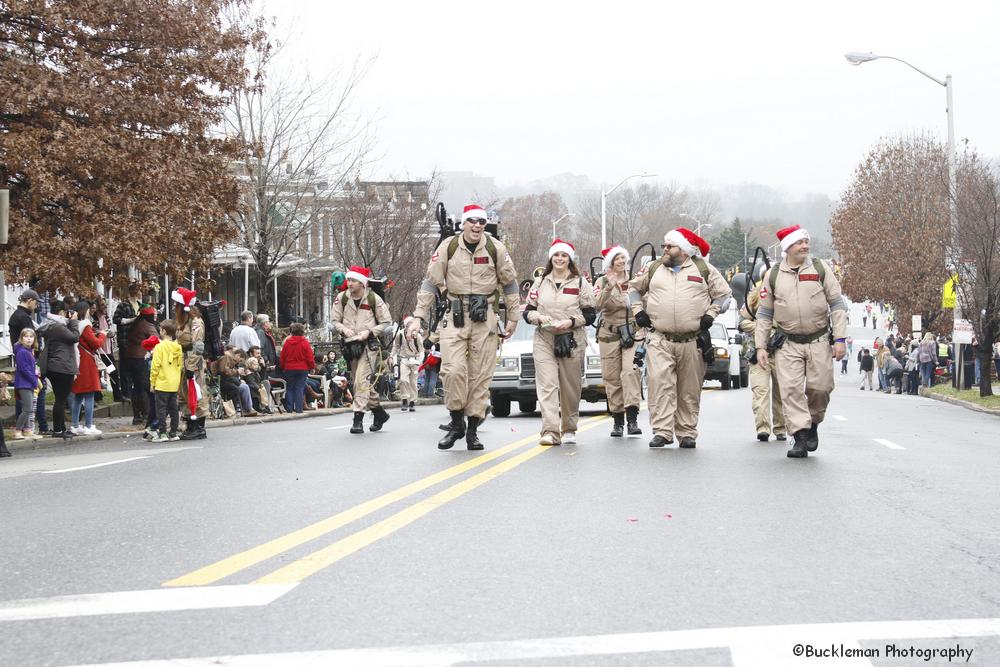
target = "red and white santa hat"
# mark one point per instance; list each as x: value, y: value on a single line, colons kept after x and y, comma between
x: 359, y: 273
x: 789, y: 236
x: 689, y: 242
x: 435, y: 353
x: 609, y: 255
x: 473, y: 211
x: 562, y: 246
x: 184, y: 297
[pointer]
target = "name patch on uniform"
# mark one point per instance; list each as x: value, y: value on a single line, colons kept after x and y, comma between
x: 695, y: 279
x: 814, y: 277
x: 481, y: 260
x: 365, y: 306
x: 571, y: 290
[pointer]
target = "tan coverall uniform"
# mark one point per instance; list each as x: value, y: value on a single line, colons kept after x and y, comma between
x: 675, y: 303
x: 191, y: 333
x: 558, y: 380
x: 802, y: 307
x: 621, y: 377
x: 468, y: 353
x: 359, y: 317
x: 767, y: 411
x: 410, y: 352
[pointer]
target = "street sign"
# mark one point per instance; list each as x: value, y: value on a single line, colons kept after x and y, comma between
x: 948, y: 293
x: 962, y: 333
x: 916, y: 323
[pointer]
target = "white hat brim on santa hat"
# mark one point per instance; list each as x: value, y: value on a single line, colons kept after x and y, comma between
x: 354, y: 275
x: 609, y: 259
x: 562, y: 247
x: 793, y: 238
x: 674, y: 237
x: 474, y: 213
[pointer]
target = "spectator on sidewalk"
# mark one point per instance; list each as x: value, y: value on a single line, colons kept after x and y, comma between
x: 165, y: 379
x: 231, y: 383
x: 244, y: 336
x: 268, y: 346
x: 26, y: 382
x: 58, y: 361
x: 996, y: 357
x: 431, y: 368
x: 296, y: 362
x: 135, y: 366
x: 21, y: 318
x: 253, y: 380
x: 103, y: 322
x: 913, y: 368
x: 880, y: 358
x: 867, y: 366
x: 125, y: 314
x: 88, y: 379
x: 893, y: 375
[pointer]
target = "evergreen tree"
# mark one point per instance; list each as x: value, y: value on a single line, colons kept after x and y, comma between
x: 728, y: 247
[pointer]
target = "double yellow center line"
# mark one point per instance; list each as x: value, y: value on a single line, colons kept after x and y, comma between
x: 312, y: 563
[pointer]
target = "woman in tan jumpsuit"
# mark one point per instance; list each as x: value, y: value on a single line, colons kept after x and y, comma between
x: 560, y: 304
x: 621, y: 377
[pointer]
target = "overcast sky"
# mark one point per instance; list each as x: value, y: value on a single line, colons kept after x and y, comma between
x: 701, y: 93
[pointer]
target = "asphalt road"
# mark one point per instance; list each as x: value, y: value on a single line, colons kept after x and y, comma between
x: 605, y: 552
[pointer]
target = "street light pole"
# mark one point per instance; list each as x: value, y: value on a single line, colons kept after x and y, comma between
x: 604, y: 205
x: 696, y: 222
x: 558, y: 220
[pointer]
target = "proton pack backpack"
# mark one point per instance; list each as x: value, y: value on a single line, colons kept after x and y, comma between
x: 211, y: 315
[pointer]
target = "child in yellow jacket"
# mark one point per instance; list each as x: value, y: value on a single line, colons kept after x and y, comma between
x: 165, y: 380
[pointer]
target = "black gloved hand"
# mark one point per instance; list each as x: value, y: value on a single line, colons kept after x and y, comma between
x: 428, y: 343
x: 706, y: 322
x: 189, y: 375
x: 642, y: 319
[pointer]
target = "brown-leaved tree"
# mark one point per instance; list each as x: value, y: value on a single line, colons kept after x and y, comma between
x: 106, y: 139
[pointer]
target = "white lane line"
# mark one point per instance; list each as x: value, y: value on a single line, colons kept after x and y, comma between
x: 334, y: 428
x: 839, y: 418
x: 888, y: 443
x: 134, y: 602
x: 95, y: 465
x: 747, y: 641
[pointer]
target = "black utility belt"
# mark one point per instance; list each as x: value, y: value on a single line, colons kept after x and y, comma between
x: 805, y: 339
x: 478, y: 306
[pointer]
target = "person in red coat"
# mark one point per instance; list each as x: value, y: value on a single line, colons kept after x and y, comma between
x: 297, y: 360
x: 88, y: 378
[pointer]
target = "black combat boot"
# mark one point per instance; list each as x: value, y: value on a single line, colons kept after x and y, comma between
x: 358, y: 425
x: 813, y: 444
x: 411, y: 404
x: 660, y: 441
x: 632, y: 417
x: 798, y: 450
x: 190, y: 429
x: 763, y: 437
x: 381, y: 417
x: 687, y: 443
x: 456, y: 430
x: 471, y: 437
x: 202, y: 433
x: 618, y: 430
x: 4, y: 452
x: 402, y: 405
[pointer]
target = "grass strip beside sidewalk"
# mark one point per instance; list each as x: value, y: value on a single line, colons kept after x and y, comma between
x: 968, y: 396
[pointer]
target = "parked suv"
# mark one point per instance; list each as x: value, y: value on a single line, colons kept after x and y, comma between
x: 730, y: 367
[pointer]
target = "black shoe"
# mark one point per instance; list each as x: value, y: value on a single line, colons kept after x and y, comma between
x: 4, y: 452
x: 456, y: 430
x: 471, y: 437
x: 358, y: 426
x: 191, y: 430
x: 412, y: 409
x: 687, y: 443
x: 763, y: 437
x: 445, y: 426
x: 782, y: 437
x: 402, y: 406
x: 660, y: 441
x: 632, y: 417
x: 202, y: 433
x: 798, y: 450
x: 381, y: 417
x: 618, y: 430
x: 813, y: 443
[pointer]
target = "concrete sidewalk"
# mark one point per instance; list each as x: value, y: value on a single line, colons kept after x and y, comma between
x: 122, y: 427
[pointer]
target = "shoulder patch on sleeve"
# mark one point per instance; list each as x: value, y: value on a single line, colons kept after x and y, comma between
x: 533, y: 295
x: 435, y: 256
x: 763, y: 292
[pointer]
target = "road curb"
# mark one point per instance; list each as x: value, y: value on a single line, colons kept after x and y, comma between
x: 212, y: 424
x: 957, y: 401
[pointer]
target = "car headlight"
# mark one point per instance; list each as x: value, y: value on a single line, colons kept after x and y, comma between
x: 593, y: 361
x: 721, y: 353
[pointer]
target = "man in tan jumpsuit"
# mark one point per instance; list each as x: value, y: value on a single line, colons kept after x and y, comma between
x: 800, y: 300
x: 559, y: 306
x: 683, y: 294
x: 763, y: 384
x: 191, y: 338
x: 360, y: 316
x: 408, y: 351
x: 621, y: 377
x: 467, y: 270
